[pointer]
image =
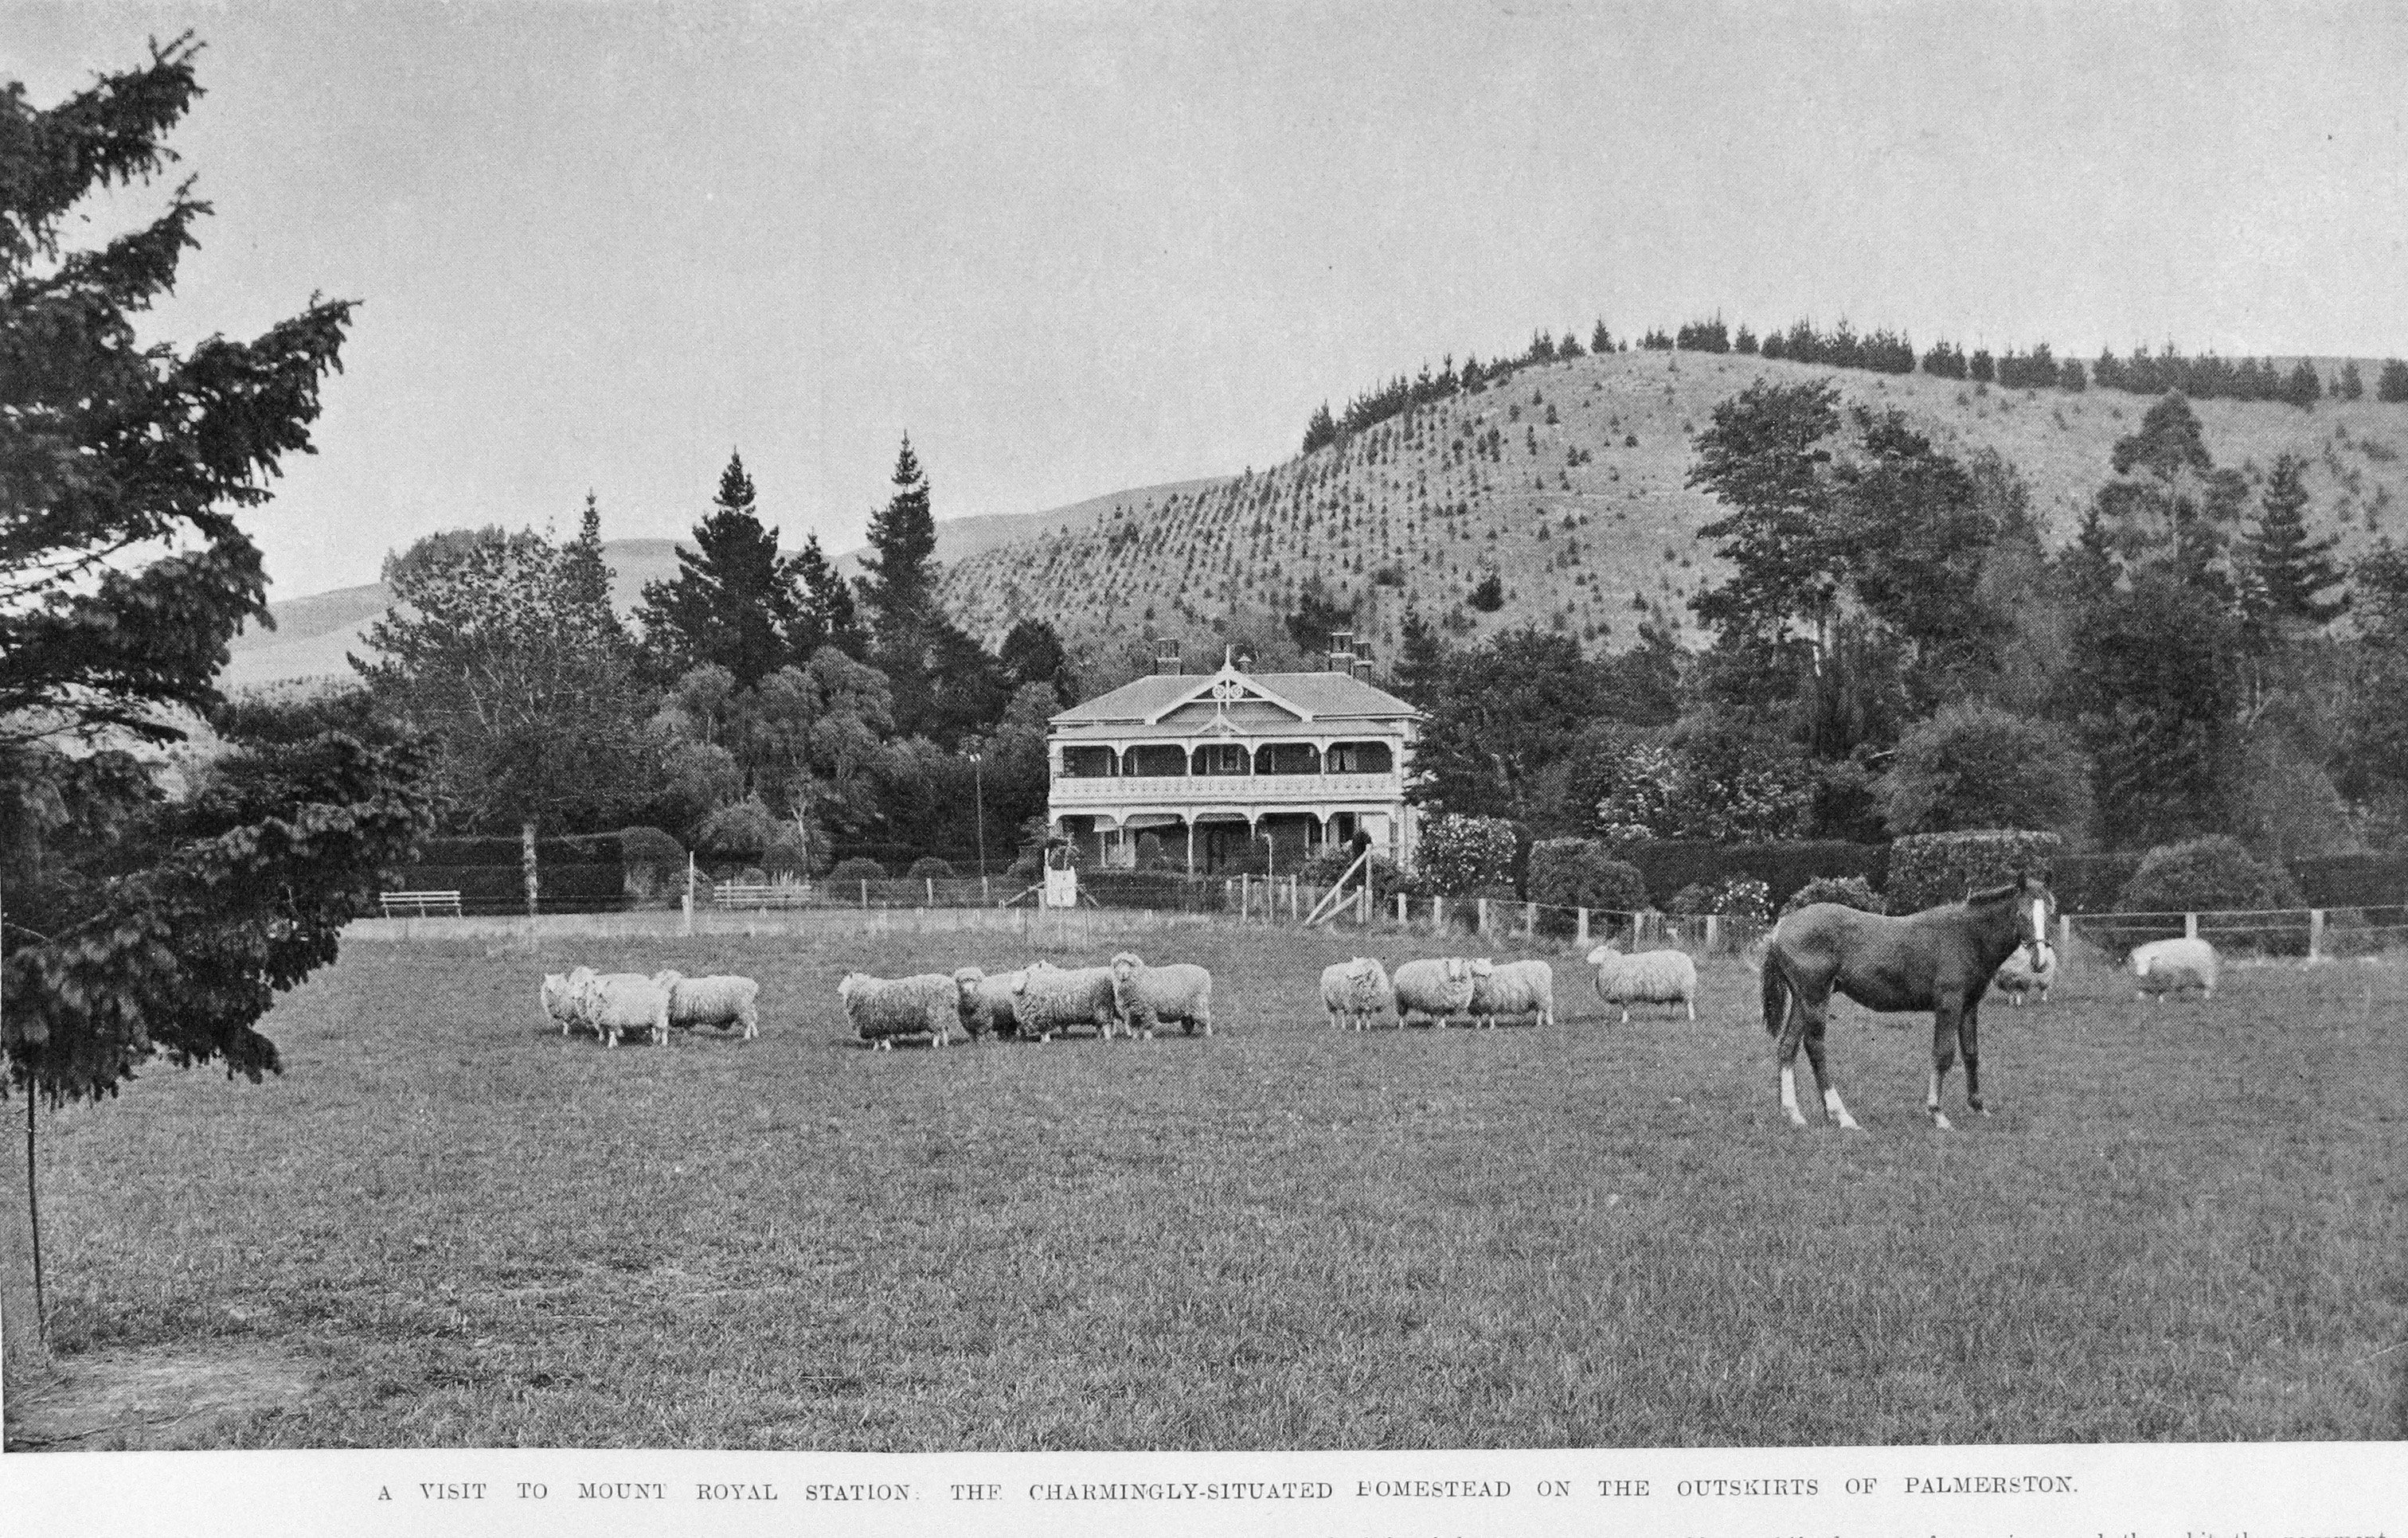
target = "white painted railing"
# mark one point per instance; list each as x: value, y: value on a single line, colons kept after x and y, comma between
x: 1221, y: 789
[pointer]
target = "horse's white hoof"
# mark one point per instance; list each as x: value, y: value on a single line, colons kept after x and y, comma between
x: 1797, y: 1119
x: 1941, y: 1123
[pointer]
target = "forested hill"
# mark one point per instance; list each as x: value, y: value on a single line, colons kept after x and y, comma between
x: 1566, y: 481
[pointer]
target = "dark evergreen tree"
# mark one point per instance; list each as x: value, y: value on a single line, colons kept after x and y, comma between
x: 1322, y: 430
x: 1421, y: 662
x: 735, y: 603
x: 2303, y: 387
x: 1316, y: 615
x: 829, y: 617
x: 2289, y: 572
x: 899, y: 587
x: 1600, y: 341
x: 2392, y: 383
x: 1032, y: 653
x: 2349, y: 385
x: 145, y: 922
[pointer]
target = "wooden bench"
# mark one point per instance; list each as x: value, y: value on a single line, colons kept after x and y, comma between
x: 418, y: 904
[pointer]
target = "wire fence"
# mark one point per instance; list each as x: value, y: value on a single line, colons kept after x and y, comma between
x: 2108, y: 938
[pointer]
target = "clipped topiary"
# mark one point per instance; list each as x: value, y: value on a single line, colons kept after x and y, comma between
x: 1928, y: 869
x: 2212, y: 874
x: 928, y: 867
x: 857, y: 868
x: 1850, y: 891
x: 1581, y: 872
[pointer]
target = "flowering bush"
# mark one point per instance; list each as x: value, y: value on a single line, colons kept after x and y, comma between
x: 1853, y: 890
x: 1467, y: 855
x: 1735, y: 897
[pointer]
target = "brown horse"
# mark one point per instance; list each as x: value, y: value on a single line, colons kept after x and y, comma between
x: 1939, y: 960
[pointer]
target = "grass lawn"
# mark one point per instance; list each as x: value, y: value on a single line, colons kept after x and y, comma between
x: 2184, y: 1222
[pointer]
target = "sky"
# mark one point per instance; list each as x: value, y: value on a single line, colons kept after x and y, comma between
x: 1073, y: 248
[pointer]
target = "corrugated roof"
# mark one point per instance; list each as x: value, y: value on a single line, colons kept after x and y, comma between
x: 1339, y: 695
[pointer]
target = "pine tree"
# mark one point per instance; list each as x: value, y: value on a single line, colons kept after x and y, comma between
x: 2303, y: 387
x: 2391, y: 385
x: 588, y: 572
x: 829, y: 617
x: 735, y: 601
x: 899, y: 588
x: 2289, y: 571
x: 2349, y: 385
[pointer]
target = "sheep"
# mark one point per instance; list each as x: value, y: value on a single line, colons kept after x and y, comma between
x: 2168, y: 966
x: 882, y: 1008
x: 1517, y: 988
x: 1649, y: 976
x: 1148, y: 995
x: 2018, y: 975
x: 1353, y: 991
x: 560, y: 994
x: 1046, y: 998
x: 614, y: 1002
x: 986, y: 1002
x: 1436, y: 990
x: 722, y: 1002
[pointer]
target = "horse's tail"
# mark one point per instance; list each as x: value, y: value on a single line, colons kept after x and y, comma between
x: 1776, y: 991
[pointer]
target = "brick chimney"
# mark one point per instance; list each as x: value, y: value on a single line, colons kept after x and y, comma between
x: 1166, y: 655
x: 1342, y: 651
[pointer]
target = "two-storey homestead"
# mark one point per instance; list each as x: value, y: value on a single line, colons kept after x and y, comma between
x: 1215, y: 767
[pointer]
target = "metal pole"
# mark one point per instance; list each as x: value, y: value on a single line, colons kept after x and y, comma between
x: 978, y: 790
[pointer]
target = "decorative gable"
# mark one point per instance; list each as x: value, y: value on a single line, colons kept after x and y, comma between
x: 1231, y: 696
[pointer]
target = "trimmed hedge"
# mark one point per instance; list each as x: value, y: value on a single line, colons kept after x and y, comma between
x: 549, y: 853
x: 1928, y: 869
x: 857, y: 869
x: 491, y: 883
x: 1581, y: 872
x: 2215, y: 873
x: 2090, y: 883
x: 1671, y: 865
x: 1851, y: 890
x: 2351, y: 880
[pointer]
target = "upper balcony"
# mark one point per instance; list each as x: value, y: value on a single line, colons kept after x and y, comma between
x: 1072, y: 794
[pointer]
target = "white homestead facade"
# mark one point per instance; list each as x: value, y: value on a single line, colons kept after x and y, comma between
x: 1217, y: 766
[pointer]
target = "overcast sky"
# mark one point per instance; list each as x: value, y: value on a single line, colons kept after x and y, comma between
x: 1073, y: 248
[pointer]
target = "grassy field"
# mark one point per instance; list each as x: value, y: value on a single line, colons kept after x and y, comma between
x: 2185, y: 1221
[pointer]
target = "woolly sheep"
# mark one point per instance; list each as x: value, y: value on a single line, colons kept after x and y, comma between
x: 722, y: 1002
x: 1353, y: 991
x: 1146, y: 996
x: 1046, y: 998
x: 560, y: 994
x: 1649, y: 976
x: 2168, y: 966
x: 2017, y: 976
x: 615, y: 1002
x: 986, y: 1002
x: 1517, y: 988
x: 882, y: 1008
x: 1437, y: 990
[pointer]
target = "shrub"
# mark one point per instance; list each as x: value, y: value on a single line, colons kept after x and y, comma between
x: 1853, y: 890
x: 1928, y: 869
x: 650, y: 849
x: 1581, y: 872
x: 1150, y: 853
x: 788, y: 853
x: 929, y: 868
x: 746, y: 827
x: 1976, y: 765
x: 1737, y: 897
x: 856, y: 869
x: 2091, y: 883
x: 1467, y: 855
x: 2209, y: 875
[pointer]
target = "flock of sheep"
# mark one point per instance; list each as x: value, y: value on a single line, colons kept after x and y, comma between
x: 1136, y: 999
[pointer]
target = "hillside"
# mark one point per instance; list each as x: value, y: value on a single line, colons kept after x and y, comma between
x: 313, y: 634
x: 1410, y: 513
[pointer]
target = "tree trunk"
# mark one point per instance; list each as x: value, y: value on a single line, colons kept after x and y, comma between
x: 526, y: 863
x: 24, y: 1356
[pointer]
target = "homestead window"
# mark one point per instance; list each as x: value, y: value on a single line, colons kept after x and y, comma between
x: 1288, y: 757
x: 1221, y: 759
x: 1159, y: 758
x: 1360, y: 758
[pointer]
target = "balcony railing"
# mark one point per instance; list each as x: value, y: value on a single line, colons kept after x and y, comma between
x: 1224, y: 790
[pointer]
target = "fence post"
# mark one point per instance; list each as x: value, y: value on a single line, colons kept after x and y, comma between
x: 1483, y: 914
x: 1529, y: 920
x: 865, y: 893
x: 1714, y: 930
x: 930, y: 882
x: 2190, y: 926
x: 1581, y: 930
x: 1438, y: 916
x: 2065, y: 934
x: 1403, y: 917
x: 2316, y: 934
x: 687, y: 926
x: 1291, y: 898
x: 1363, y: 902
